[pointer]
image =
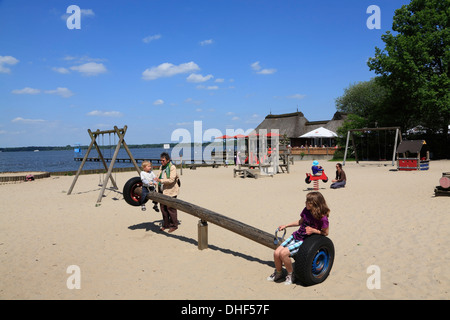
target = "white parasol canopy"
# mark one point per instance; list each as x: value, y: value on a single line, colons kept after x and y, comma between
x: 319, y: 133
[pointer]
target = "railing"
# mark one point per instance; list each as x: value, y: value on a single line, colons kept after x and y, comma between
x: 313, y: 150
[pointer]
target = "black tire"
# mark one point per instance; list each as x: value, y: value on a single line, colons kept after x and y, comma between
x: 308, y: 180
x: 314, y: 260
x: 128, y: 191
x: 325, y: 180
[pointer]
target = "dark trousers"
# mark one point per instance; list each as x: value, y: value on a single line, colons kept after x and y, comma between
x: 336, y: 185
x: 145, y: 192
x: 170, y: 216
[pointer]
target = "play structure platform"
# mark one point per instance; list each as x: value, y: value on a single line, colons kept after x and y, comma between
x: 414, y: 157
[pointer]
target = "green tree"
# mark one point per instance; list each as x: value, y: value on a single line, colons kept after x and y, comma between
x: 366, y: 100
x: 414, y: 66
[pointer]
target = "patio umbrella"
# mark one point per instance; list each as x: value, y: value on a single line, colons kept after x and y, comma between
x: 320, y: 132
x: 224, y: 137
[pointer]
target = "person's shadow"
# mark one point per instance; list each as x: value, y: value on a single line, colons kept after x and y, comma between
x: 155, y: 225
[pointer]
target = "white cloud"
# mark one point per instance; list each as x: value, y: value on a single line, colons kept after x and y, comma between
x: 61, y: 70
x: 63, y: 92
x: 184, y: 124
x: 166, y: 69
x: 267, y: 71
x: 208, y: 87
x: 151, y: 38
x: 194, y: 77
x: 206, y: 42
x: 88, y: 13
x: 219, y: 80
x: 97, y: 113
x: 9, y: 60
x: 297, y: 96
x: 255, y: 66
x: 195, y: 102
x: 82, y: 59
x: 90, y: 68
x: 158, y: 102
x: 258, y: 69
x: 27, y: 121
x: 26, y: 90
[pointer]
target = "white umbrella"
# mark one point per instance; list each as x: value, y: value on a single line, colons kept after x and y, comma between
x: 319, y: 133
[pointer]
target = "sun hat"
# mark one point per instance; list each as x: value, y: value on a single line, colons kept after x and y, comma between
x: 315, y: 163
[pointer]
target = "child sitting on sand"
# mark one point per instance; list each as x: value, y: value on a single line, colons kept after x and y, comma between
x: 148, y: 184
x: 313, y: 219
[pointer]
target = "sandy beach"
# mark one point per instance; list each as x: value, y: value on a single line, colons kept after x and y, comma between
x: 382, y: 218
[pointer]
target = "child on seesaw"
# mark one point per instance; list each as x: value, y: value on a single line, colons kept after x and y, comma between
x: 148, y: 184
x: 313, y: 220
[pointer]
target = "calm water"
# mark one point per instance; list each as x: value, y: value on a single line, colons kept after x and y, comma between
x: 53, y: 161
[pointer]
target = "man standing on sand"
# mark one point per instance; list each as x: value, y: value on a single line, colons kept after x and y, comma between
x: 168, y: 185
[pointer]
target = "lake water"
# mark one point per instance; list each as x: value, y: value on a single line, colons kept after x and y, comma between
x: 54, y: 161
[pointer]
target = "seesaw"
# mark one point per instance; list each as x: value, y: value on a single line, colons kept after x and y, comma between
x: 313, y: 262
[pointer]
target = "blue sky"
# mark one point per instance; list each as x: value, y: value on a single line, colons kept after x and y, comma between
x: 159, y: 65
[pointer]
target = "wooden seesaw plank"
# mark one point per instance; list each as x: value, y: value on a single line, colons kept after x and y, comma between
x: 225, y: 222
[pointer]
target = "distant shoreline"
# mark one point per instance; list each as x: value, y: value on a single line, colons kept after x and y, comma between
x: 69, y: 147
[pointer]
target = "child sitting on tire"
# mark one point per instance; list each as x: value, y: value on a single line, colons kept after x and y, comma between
x: 313, y: 220
x: 148, y: 184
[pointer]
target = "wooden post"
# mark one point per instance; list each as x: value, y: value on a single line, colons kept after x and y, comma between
x: 122, y: 136
x: 181, y: 165
x: 395, y: 146
x: 235, y: 226
x: 111, y: 165
x: 82, y: 162
x: 354, y: 147
x: 346, y: 148
x: 202, y: 235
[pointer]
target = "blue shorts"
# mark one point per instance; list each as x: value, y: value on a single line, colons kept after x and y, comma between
x: 292, y: 244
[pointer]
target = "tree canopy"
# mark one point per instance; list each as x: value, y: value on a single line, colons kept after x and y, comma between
x: 414, y: 66
x: 412, y: 86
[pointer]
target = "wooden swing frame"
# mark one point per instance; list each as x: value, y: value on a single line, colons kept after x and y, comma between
x: 121, y: 134
x: 398, y: 136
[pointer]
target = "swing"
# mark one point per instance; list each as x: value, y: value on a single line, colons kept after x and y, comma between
x: 392, y: 144
x: 94, y: 135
